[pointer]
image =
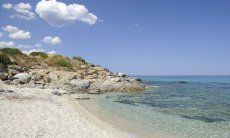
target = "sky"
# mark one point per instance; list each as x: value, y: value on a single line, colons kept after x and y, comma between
x: 137, y: 37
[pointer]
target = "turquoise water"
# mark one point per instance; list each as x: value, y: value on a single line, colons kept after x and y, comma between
x: 187, y: 106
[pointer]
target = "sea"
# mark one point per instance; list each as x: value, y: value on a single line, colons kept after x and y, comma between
x: 180, y: 106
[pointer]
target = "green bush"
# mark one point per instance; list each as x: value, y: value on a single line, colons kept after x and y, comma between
x: 4, y: 59
x: 79, y: 59
x: 63, y: 63
x: 11, y: 51
x: 41, y: 54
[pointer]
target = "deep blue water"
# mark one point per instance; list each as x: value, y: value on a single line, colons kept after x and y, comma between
x: 191, y: 106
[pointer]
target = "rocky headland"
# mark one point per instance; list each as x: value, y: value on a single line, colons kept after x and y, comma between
x: 41, y: 70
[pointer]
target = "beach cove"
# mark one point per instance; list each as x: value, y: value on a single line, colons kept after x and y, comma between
x: 32, y: 112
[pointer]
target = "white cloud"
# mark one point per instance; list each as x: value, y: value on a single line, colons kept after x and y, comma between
x: 16, y: 33
x: 52, y: 52
x: 33, y: 50
x: 20, y: 35
x: 37, y: 45
x: 10, y: 29
x: 52, y: 40
x: 7, y: 6
x: 7, y: 44
x: 4, y: 44
x: 21, y: 11
x: 59, y: 14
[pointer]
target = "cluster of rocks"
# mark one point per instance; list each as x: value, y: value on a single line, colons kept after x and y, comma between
x: 88, y: 79
x: 2, y: 91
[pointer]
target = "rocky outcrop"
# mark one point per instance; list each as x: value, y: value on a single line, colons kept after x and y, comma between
x: 75, y: 82
x: 79, y: 77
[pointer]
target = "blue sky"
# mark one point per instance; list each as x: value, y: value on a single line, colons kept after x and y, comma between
x: 148, y: 37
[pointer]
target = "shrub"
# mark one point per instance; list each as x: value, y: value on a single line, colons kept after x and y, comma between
x: 4, y: 59
x: 63, y: 63
x: 79, y: 59
x: 11, y: 51
x: 41, y: 54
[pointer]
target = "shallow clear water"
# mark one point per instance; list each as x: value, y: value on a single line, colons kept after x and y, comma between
x: 186, y: 105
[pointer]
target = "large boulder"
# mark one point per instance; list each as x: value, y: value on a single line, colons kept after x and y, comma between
x: 17, y: 68
x: 120, y: 74
x: 116, y: 85
x: 23, y: 77
x: 79, y: 84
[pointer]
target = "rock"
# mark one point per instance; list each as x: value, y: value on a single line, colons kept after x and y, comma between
x: 15, y: 82
x: 79, y: 84
x: 92, y: 72
x: 82, y: 98
x: 93, y: 76
x: 98, y: 68
x: 83, y: 67
x: 121, y: 74
x: 13, y: 72
x: 3, y: 75
x: 137, y: 79
x: 56, y: 93
x: 133, y: 80
x: 36, y: 76
x: 115, y: 79
x: 16, y: 67
x: 7, y: 82
x: 97, y: 91
x: 3, y: 68
x: 2, y: 91
x: 9, y: 91
x: 47, y: 79
x: 112, y: 86
x: 23, y: 77
x: 10, y: 78
x: 104, y: 73
x: 47, y: 72
x: 14, y: 63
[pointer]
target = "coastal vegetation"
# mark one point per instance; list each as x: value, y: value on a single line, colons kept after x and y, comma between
x: 80, y: 59
x: 11, y: 51
x: 4, y: 60
x: 63, y: 63
x: 41, y: 54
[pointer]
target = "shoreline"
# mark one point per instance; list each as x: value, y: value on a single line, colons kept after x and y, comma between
x: 92, y: 116
x: 132, y: 128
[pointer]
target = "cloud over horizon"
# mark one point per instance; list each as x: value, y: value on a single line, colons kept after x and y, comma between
x: 4, y: 44
x: 11, y: 44
x: 58, y: 14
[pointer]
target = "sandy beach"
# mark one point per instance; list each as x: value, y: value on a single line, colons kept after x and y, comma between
x: 32, y: 112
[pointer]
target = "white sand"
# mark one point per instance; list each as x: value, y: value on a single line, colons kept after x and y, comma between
x: 38, y: 113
